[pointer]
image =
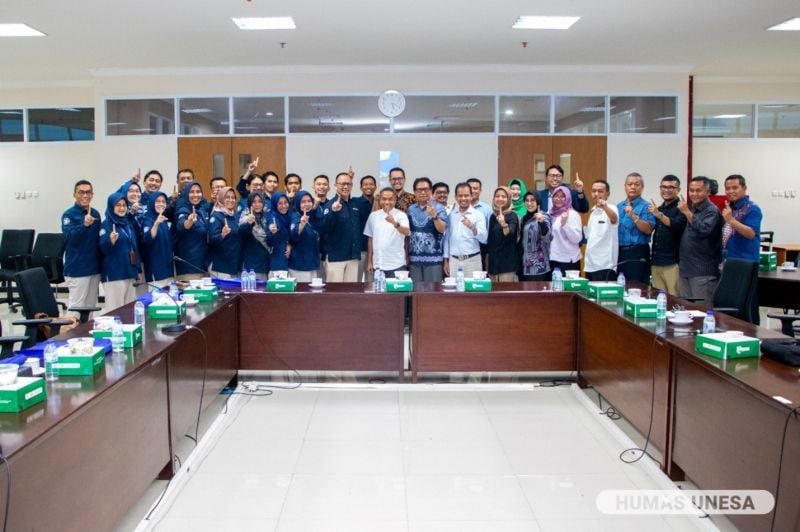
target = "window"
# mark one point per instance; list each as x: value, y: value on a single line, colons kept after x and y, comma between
x: 204, y: 116
x: 779, y: 121
x: 254, y: 116
x: 446, y: 114
x: 580, y: 115
x: 723, y: 120
x: 140, y: 117
x: 336, y: 114
x: 11, y: 125
x: 62, y: 123
x: 643, y: 114
x: 524, y: 114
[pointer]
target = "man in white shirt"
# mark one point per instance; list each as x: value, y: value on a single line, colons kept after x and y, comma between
x: 602, y: 235
x: 387, y: 230
x: 466, y: 231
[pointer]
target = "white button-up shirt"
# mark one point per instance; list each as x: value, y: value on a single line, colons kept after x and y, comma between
x: 460, y: 240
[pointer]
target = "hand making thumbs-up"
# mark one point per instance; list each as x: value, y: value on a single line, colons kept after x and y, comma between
x: 226, y: 229
x: 337, y: 205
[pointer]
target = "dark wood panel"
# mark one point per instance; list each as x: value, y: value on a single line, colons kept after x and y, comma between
x: 779, y: 289
x: 625, y: 363
x: 198, y: 153
x: 515, y: 156
x: 86, y: 472
x: 322, y: 331
x: 493, y: 331
x: 271, y: 152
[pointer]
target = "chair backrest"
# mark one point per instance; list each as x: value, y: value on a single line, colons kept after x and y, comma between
x: 15, y: 242
x: 737, y: 287
x: 35, y: 293
x: 766, y: 237
x: 48, y: 253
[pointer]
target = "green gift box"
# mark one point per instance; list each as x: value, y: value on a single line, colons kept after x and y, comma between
x: 575, y: 285
x: 132, y: 332
x: 166, y: 310
x: 767, y: 261
x: 478, y: 285
x: 727, y: 345
x: 81, y: 363
x: 399, y: 285
x: 207, y: 293
x: 24, y: 393
x: 601, y: 290
x: 640, y: 307
x: 281, y: 285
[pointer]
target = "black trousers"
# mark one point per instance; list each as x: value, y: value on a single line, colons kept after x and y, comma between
x: 632, y: 266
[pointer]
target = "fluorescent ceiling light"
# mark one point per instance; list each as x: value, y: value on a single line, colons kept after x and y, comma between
x: 196, y: 110
x: 142, y: 129
x: 264, y: 23
x: 661, y: 118
x: 525, y: 22
x: 19, y: 30
x: 68, y: 109
x: 509, y: 112
x: 792, y: 24
x: 463, y: 105
x: 729, y: 116
x: 10, y: 112
x: 598, y: 109
x: 117, y: 124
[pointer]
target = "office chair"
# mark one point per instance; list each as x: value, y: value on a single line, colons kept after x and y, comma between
x: 15, y: 245
x: 37, y: 297
x: 7, y: 344
x: 48, y: 253
x: 766, y: 237
x: 735, y: 294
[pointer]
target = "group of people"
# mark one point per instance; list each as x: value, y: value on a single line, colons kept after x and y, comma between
x: 149, y: 237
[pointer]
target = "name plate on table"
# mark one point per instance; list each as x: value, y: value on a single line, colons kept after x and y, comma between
x: 478, y: 285
x: 132, y: 332
x: 204, y: 294
x: 399, y: 285
x: 24, y: 393
x: 81, y: 363
x: 640, y: 307
x: 167, y: 310
x: 731, y: 344
x: 576, y: 285
x: 281, y: 285
x: 600, y: 290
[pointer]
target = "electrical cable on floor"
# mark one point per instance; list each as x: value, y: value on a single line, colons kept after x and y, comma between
x: 569, y: 381
x: 643, y: 450
x: 792, y: 412
x: 203, y: 387
x: 250, y: 314
x: 163, y: 492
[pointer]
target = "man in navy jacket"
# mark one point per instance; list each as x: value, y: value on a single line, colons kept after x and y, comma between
x: 80, y: 225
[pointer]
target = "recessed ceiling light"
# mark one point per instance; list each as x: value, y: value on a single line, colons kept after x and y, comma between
x: 793, y: 24
x: 509, y: 112
x: 264, y: 23
x: 19, y: 30
x: 321, y: 105
x: 729, y: 116
x: 463, y: 105
x: 525, y: 22
x: 270, y: 114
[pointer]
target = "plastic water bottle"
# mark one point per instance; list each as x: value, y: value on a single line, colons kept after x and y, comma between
x: 251, y: 277
x: 173, y: 290
x: 621, y: 280
x: 244, y: 284
x: 138, y: 313
x: 709, y: 323
x: 661, y: 305
x: 117, y: 337
x: 50, y: 361
x: 557, y: 283
x: 460, y: 284
x: 376, y: 281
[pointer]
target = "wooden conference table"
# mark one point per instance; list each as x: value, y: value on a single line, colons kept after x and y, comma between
x: 86, y: 456
x: 779, y: 289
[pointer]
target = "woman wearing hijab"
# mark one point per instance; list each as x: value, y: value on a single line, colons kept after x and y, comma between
x: 304, y: 260
x: 253, y: 229
x: 121, y: 265
x: 279, y: 222
x: 502, y: 239
x: 191, y: 232
x: 535, y: 239
x: 157, y: 242
x: 565, y: 250
x: 224, y: 241
x: 136, y: 210
x: 518, y: 191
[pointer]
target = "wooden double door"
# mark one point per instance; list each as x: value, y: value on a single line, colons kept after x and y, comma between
x: 229, y: 157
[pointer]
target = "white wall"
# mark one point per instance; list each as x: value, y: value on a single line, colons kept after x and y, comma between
x: 653, y: 156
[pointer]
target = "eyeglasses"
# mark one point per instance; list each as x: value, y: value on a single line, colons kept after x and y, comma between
x: 84, y: 192
x: 669, y: 187
x: 555, y: 175
x: 344, y: 184
x: 422, y: 190
x: 401, y: 178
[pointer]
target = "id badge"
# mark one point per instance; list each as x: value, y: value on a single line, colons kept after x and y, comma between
x: 132, y: 255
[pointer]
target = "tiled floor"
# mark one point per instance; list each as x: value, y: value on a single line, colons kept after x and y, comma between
x: 409, y: 458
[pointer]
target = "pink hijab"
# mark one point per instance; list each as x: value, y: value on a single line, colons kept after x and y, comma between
x: 554, y: 212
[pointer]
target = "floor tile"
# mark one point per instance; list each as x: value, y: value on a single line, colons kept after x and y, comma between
x: 346, y: 497
x: 354, y: 457
x: 331, y: 525
x: 466, y: 498
x: 473, y: 526
x: 573, y: 496
x: 455, y: 458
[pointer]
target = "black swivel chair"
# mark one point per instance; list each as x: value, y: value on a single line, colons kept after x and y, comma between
x: 7, y: 344
x: 48, y: 253
x: 36, y: 296
x: 15, y: 246
x: 735, y: 294
x: 766, y: 237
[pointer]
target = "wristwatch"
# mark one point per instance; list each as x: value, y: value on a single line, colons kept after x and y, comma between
x: 396, y: 224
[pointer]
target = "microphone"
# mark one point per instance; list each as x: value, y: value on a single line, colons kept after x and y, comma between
x: 195, y: 268
x: 612, y: 270
x: 175, y: 328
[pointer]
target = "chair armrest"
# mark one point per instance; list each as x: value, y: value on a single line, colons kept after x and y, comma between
x: 693, y: 299
x: 39, y: 321
x: 83, y: 312
x: 728, y: 310
x: 21, y: 262
x: 787, y: 322
x: 59, y: 322
x: 12, y: 339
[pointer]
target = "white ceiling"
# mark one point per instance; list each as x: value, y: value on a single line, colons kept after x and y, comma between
x: 708, y: 37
